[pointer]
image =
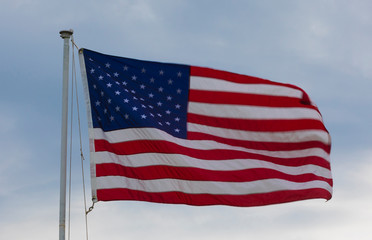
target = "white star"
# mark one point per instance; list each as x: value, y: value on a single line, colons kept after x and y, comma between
x: 124, y: 83
x: 95, y: 86
x: 152, y: 80
x: 116, y: 74
x: 169, y: 98
x: 170, y: 81
x: 142, y: 86
x: 92, y: 70
x: 109, y: 101
x: 160, y: 124
x: 142, y: 99
x: 177, y: 130
x: 117, y: 83
x: 159, y: 115
x: 126, y: 116
x: 108, y: 75
x: 152, y: 115
x: 126, y: 100
x: 143, y: 116
x: 143, y: 106
x: 117, y: 108
x: 160, y: 89
x: 107, y: 65
x: 112, y: 118
x: 105, y: 111
x: 143, y: 70
x: 151, y: 95
x: 168, y: 112
x: 134, y: 98
x: 179, y: 74
x: 159, y: 104
x: 179, y: 91
x: 134, y: 108
x: 177, y: 119
x: 178, y: 106
x: 117, y: 93
x: 98, y: 103
x: 109, y: 85
x: 90, y: 59
x: 102, y: 93
x: 168, y: 123
x: 150, y: 106
x: 100, y: 77
x: 134, y: 77
x: 161, y: 72
x: 125, y: 68
x: 132, y: 91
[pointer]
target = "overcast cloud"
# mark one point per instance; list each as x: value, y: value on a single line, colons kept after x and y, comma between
x: 323, y: 46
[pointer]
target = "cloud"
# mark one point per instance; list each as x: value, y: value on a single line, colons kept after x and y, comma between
x: 335, y: 34
x: 322, y: 46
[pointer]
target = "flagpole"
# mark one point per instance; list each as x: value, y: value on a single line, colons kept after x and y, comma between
x: 65, y: 35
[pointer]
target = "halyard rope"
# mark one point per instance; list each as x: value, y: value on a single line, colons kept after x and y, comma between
x: 74, y: 85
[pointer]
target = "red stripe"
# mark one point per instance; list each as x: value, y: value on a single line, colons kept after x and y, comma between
x: 270, y: 146
x: 245, y: 99
x: 197, y: 174
x: 160, y: 146
x: 208, y: 199
x: 229, y: 76
x: 234, y: 77
x: 257, y: 125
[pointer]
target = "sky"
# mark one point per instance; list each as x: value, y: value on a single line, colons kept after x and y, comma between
x: 322, y: 46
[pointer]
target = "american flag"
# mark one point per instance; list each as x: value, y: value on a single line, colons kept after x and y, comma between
x: 172, y: 133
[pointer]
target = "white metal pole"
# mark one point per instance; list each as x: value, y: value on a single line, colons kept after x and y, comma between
x: 65, y: 34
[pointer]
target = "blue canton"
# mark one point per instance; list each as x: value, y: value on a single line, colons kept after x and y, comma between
x: 129, y: 93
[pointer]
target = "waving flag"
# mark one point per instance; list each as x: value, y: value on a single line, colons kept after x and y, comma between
x: 172, y: 133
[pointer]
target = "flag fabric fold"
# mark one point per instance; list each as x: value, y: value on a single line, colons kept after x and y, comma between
x: 173, y: 133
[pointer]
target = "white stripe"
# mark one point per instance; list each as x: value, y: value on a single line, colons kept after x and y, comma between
x: 284, y: 137
x: 132, y: 134
x: 252, y: 112
x: 207, y: 187
x: 178, y: 160
x: 212, y: 84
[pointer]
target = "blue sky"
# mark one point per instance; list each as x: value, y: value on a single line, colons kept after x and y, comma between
x: 323, y: 46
